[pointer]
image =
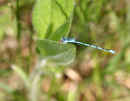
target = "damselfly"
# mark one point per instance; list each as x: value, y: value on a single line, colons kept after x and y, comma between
x: 72, y: 40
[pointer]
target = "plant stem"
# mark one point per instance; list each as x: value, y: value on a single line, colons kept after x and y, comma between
x: 18, y: 20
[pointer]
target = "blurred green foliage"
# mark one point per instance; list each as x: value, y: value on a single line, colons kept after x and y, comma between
x: 49, y: 16
x: 7, y: 22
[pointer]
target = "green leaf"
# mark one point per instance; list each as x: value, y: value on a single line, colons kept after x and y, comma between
x: 63, y: 30
x: 56, y: 52
x: 54, y: 13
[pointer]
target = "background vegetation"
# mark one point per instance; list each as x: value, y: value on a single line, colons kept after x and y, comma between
x: 35, y: 66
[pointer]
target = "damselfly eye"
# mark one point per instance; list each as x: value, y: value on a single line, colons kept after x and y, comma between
x: 64, y: 40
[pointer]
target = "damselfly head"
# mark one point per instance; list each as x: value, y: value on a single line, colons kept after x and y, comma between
x: 64, y: 40
x: 67, y: 40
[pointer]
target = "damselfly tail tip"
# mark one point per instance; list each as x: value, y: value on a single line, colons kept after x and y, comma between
x: 112, y: 51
